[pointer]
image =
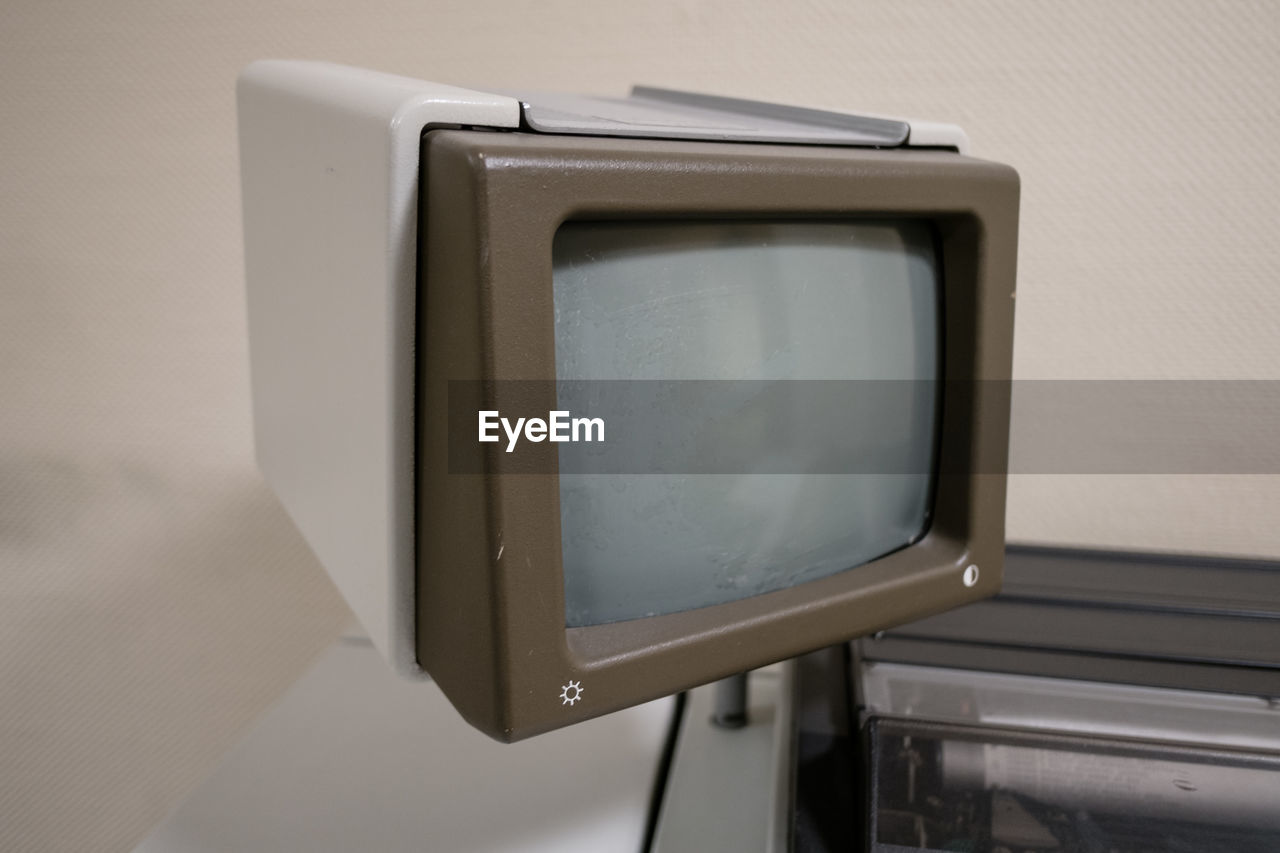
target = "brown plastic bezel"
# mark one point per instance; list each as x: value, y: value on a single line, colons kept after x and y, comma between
x: 490, y: 595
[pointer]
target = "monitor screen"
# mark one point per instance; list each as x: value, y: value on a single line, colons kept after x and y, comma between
x: 742, y: 305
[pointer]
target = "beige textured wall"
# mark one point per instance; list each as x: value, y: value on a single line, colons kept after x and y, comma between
x: 153, y: 597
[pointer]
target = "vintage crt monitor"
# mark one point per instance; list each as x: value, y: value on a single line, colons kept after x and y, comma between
x: 585, y: 401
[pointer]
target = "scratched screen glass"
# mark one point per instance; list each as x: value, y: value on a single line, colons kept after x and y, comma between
x: 735, y: 301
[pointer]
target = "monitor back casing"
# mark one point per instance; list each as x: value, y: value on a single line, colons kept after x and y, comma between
x: 329, y: 186
x: 490, y: 603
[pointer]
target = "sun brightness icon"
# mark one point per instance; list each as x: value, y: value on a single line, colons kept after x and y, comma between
x: 571, y: 693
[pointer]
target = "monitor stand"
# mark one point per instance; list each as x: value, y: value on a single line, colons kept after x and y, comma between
x: 784, y: 778
x: 729, y: 782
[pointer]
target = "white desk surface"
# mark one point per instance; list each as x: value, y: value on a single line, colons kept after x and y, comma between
x: 354, y: 759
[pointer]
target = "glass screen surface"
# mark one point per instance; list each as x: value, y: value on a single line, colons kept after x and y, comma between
x: 746, y: 306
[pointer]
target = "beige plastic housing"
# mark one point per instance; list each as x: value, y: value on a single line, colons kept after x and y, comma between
x: 329, y: 171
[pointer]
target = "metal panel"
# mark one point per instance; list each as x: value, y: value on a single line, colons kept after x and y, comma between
x: 669, y: 114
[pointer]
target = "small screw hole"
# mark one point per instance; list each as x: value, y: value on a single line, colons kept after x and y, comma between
x: 971, y: 576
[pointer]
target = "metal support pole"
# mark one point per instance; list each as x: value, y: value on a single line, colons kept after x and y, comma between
x: 730, y: 709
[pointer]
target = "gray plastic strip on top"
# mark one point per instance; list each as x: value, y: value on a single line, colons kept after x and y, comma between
x: 669, y: 114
